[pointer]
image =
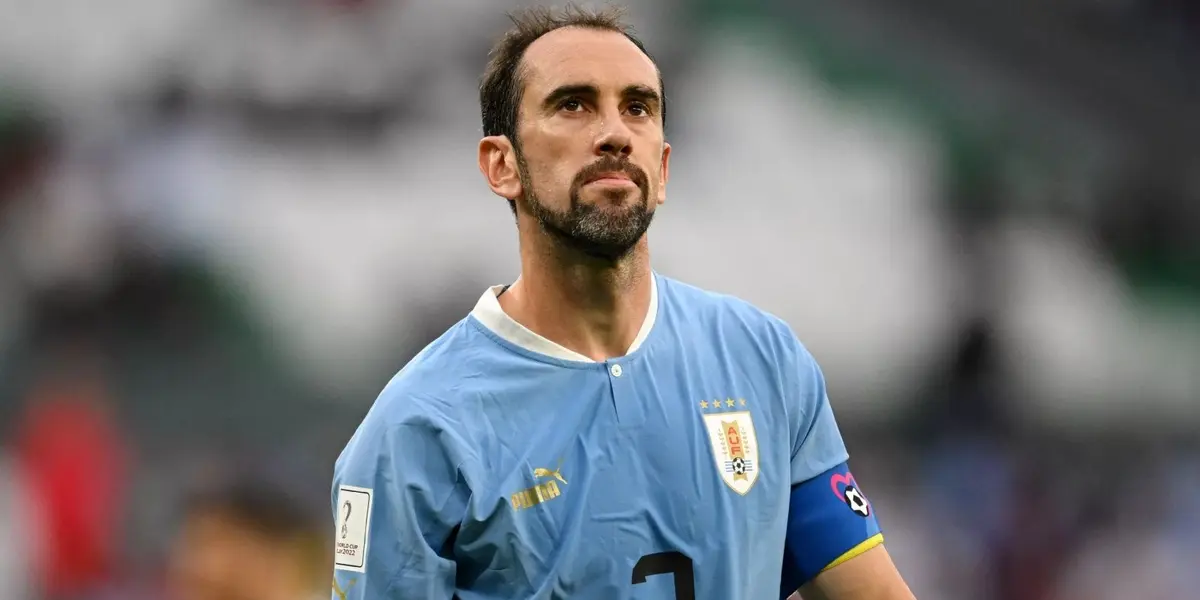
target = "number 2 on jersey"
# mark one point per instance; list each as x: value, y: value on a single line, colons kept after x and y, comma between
x: 668, y: 562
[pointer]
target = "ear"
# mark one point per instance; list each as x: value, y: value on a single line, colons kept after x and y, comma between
x: 498, y: 163
x: 666, y: 174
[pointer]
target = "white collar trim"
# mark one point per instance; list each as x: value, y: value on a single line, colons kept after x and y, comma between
x: 489, y: 312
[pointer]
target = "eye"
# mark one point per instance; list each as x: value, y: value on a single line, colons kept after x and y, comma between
x: 571, y: 105
x: 639, y: 109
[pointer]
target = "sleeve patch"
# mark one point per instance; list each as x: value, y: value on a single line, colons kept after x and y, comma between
x: 353, y: 528
x: 846, y: 489
x: 829, y: 519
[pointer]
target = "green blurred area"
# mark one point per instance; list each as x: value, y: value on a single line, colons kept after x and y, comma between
x: 234, y: 374
x: 980, y: 150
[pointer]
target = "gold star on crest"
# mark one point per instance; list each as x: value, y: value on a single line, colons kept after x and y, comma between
x: 742, y: 401
x: 729, y: 402
x: 704, y: 404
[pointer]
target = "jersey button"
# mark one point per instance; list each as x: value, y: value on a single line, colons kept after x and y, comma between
x: 615, y: 370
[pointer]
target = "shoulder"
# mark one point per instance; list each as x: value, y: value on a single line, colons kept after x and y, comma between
x: 425, y: 402
x: 440, y: 383
x: 728, y: 315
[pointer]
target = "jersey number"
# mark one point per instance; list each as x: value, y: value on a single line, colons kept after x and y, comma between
x: 668, y: 562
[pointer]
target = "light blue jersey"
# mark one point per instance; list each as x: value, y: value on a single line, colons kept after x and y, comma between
x: 498, y: 465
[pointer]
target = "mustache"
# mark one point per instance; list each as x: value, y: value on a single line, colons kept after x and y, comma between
x: 611, y: 164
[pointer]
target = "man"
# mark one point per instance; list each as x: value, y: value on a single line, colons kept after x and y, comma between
x: 247, y: 540
x: 596, y: 430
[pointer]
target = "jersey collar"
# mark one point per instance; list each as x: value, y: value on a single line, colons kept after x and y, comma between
x: 488, y: 312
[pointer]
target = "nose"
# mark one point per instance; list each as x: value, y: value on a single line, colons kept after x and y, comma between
x: 614, y: 138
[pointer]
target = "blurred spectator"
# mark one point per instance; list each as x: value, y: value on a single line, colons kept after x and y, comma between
x: 17, y: 540
x: 249, y: 541
x: 26, y: 147
x: 73, y: 459
x: 25, y: 141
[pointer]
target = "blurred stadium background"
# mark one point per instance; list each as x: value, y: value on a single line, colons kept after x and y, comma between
x: 224, y: 224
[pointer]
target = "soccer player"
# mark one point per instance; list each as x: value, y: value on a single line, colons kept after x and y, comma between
x: 244, y: 540
x: 596, y: 430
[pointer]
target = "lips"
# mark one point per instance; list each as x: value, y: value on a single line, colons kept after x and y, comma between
x: 613, y: 177
x: 611, y: 172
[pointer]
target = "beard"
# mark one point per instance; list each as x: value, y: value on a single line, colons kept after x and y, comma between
x: 607, y: 234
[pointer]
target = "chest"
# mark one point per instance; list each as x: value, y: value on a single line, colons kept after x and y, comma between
x: 689, y: 457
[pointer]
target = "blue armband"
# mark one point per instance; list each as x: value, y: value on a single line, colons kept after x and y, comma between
x: 830, y: 521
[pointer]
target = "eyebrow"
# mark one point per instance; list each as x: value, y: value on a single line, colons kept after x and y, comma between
x: 639, y: 92
x: 647, y: 95
x: 563, y: 92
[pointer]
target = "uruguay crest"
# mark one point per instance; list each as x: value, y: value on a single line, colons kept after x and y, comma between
x: 735, y: 448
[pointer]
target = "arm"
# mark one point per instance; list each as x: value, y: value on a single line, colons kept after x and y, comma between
x: 869, y: 576
x: 834, y: 545
x: 398, y: 496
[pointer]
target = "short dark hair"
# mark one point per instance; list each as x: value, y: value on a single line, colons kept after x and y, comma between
x: 263, y: 508
x: 272, y: 512
x: 501, y: 87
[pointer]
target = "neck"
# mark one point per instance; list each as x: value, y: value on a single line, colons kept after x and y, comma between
x: 589, y: 306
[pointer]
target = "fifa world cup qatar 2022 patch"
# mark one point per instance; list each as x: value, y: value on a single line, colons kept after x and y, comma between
x: 353, y: 528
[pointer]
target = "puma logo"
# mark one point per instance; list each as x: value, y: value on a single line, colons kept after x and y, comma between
x: 557, y: 473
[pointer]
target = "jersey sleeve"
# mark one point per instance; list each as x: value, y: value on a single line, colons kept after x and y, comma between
x: 817, y: 444
x: 829, y: 518
x: 398, y: 496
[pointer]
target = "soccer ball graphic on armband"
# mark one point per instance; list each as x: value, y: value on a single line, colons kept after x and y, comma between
x: 856, y: 501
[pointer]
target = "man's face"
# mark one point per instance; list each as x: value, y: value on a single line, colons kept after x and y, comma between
x: 592, y: 159
x: 218, y: 558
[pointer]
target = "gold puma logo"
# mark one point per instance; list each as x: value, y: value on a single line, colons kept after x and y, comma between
x: 542, y: 492
x: 557, y: 473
